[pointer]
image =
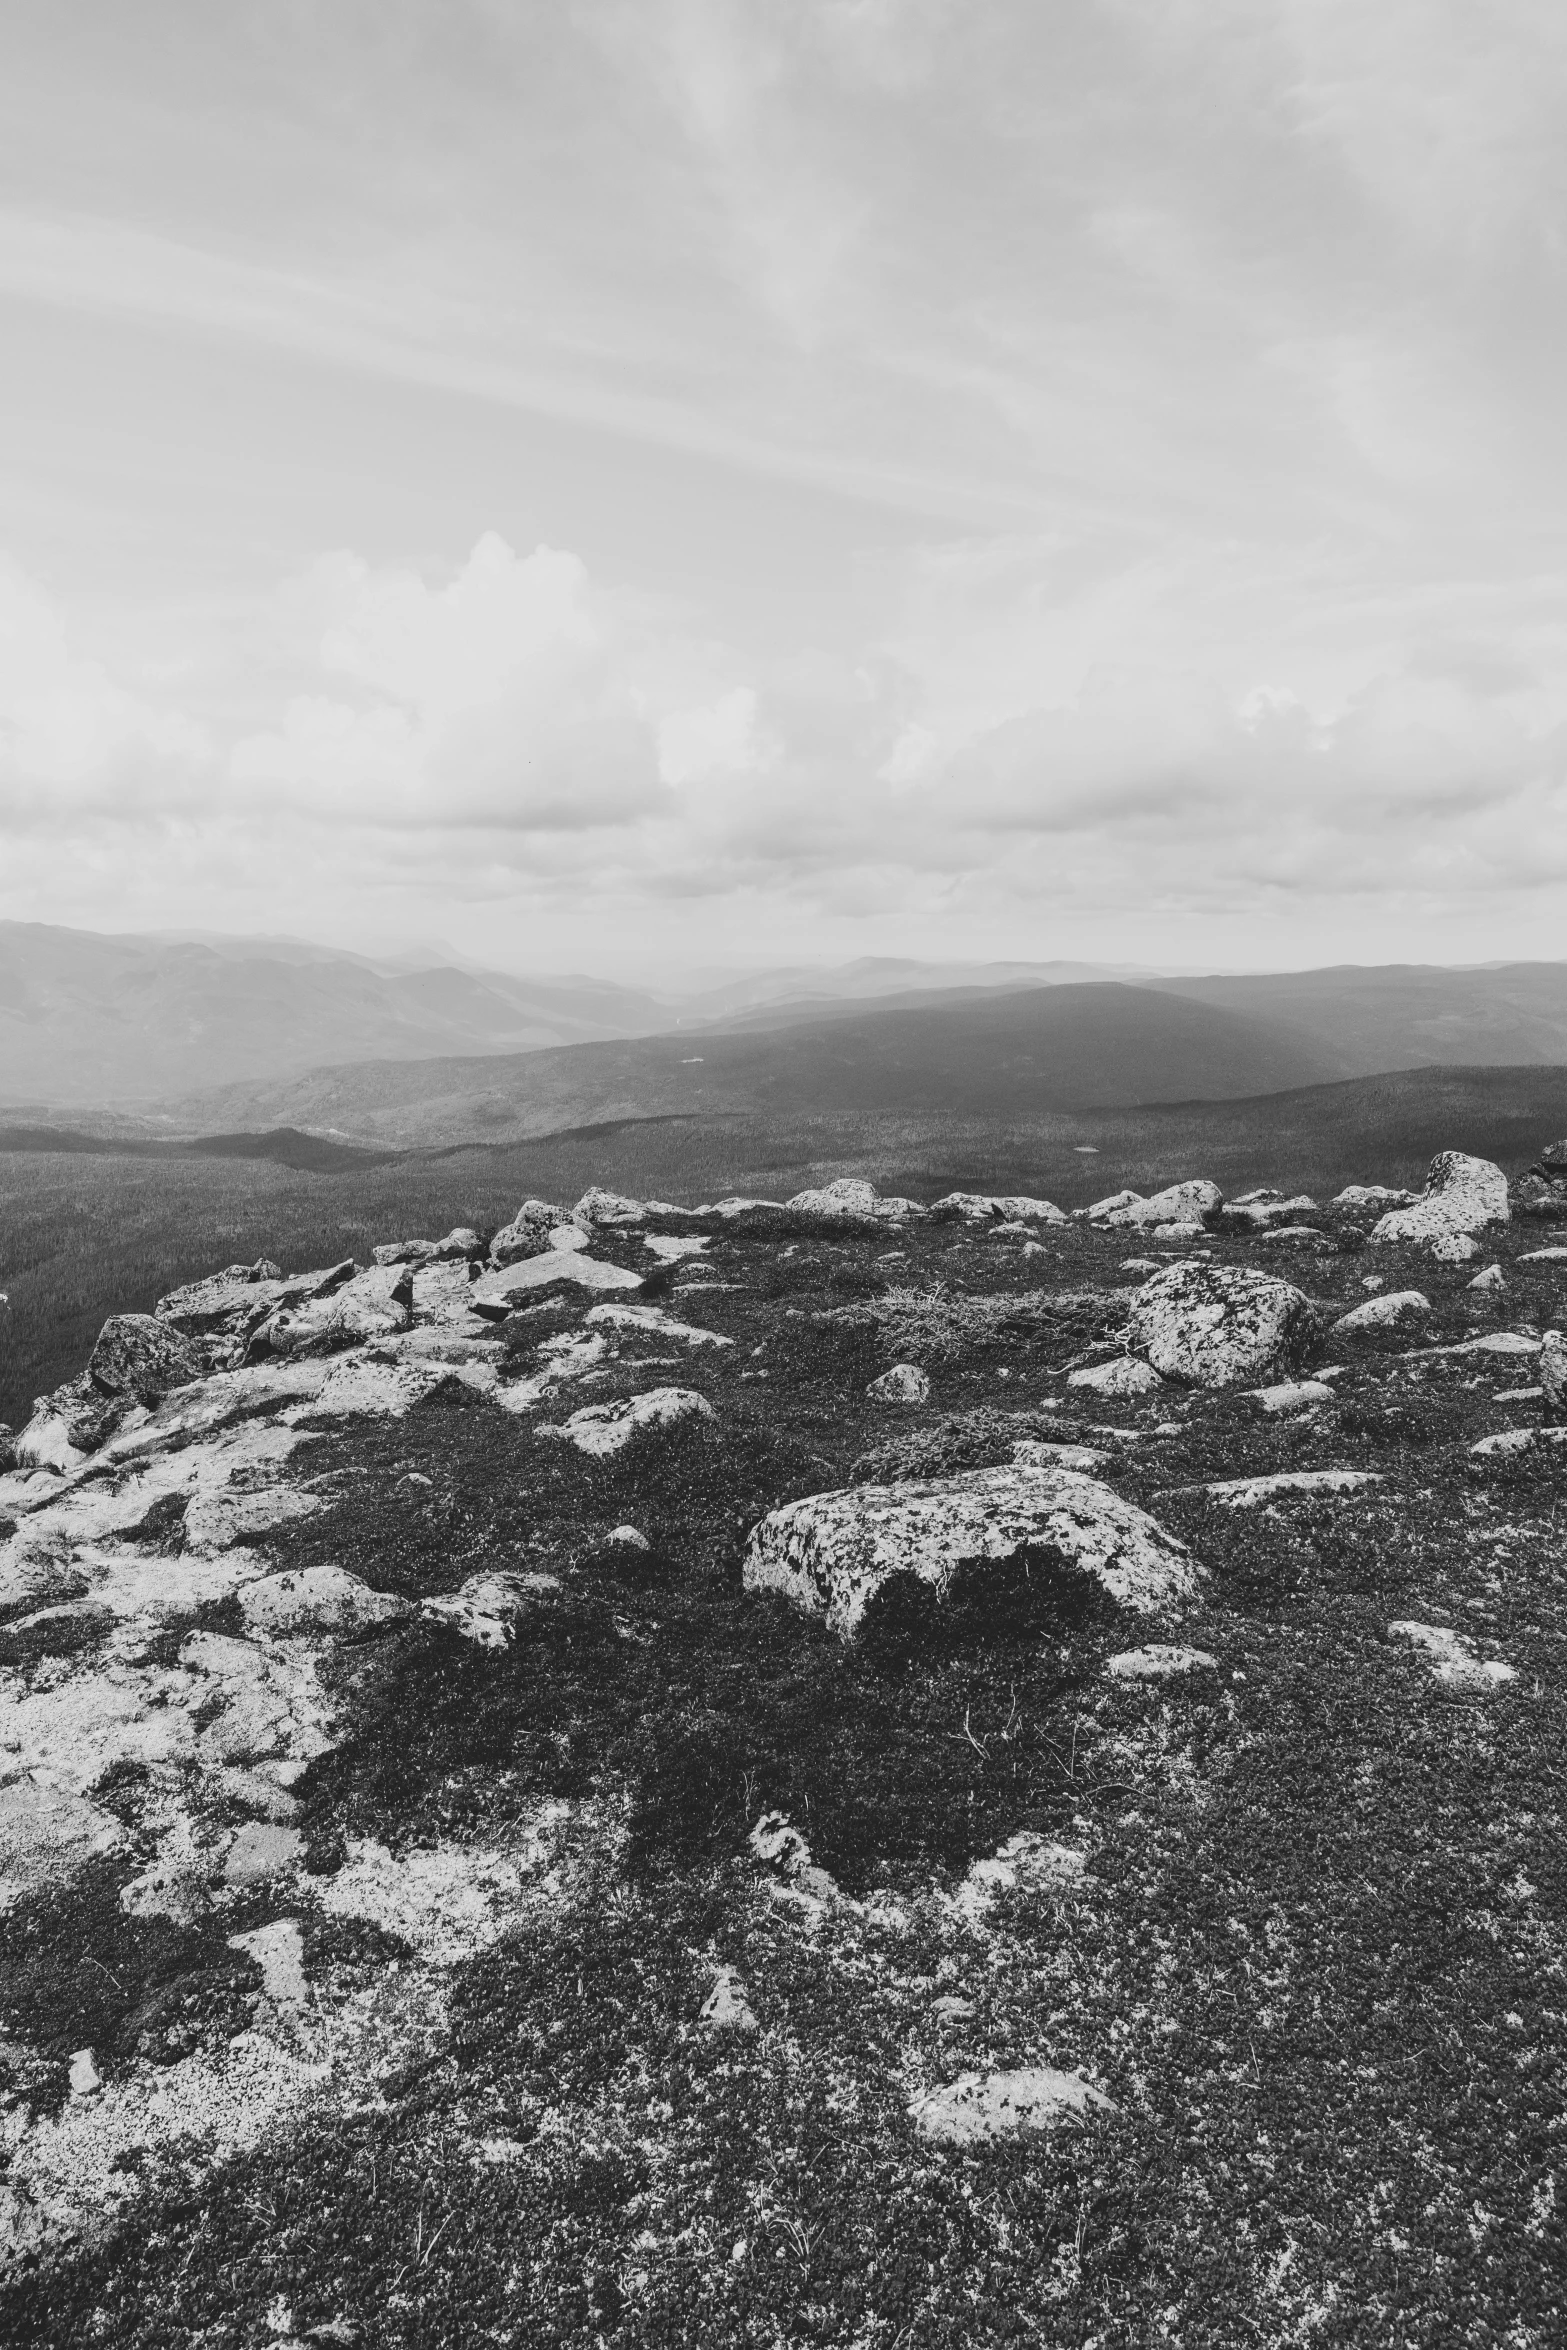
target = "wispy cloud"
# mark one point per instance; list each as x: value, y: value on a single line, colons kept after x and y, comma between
x: 1176, y: 385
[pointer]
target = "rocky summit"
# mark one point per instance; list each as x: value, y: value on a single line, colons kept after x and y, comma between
x: 847, y: 1770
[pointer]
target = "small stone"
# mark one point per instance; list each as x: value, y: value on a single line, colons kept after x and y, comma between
x: 904, y: 1383
x: 85, y: 2076
x: 978, y: 2108
x: 726, y: 2008
x: 1553, y: 1370
x: 1490, y: 1279
x: 1292, y: 1396
x: 1158, y: 1661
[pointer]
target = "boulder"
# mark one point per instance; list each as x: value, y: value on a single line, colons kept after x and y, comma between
x: 1454, y: 1248
x: 139, y: 1356
x: 1363, y: 1198
x: 316, y: 1599
x: 1178, y: 1203
x: 601, y: 1428
x: 1220, y: 1325
x: 1104, y: 1211
x: 462, y: 1241
x: 1492, y: 1278
x: 1541, y: 1195
x: 611, y: 1210
x: 374, y: 1304
x: 1553, y: 1371
x: 1261, y: 1215
x: 1462, y: 1195
x: 849, y: 1197
x: 528, y: 1233
x: 1553, y: 1159
x: 982, y: 1207
x: 68, y: 1425
x: 833, y: 1552
x: 904, y: 1383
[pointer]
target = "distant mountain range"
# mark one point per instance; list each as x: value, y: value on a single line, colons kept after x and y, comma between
x: 203, y: 1034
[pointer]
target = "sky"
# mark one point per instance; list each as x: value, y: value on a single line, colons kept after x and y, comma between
x: 645, y: 485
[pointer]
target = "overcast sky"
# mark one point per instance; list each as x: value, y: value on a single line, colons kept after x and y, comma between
x: 629, y: 484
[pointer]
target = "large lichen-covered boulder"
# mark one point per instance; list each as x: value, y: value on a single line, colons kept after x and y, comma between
x: 1220, y: 1325
x: 139, y: 1355
x: 1462, y: 1195
x: 833, y: 1552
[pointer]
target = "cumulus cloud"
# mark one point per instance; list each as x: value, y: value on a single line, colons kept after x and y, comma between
x: 72, y: 739
x: 1024, y: 738
x: 499, y: 699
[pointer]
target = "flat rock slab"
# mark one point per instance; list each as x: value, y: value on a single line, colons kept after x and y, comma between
x: 1219, y: 1325
x: 555, y: 1267
x: 1125, y: 1375
x: 1378, y: 1313
x: 1516, y: 1440
x: 833, y: 1552
x: 1452, y: 1657
x: 1249, y: 1493
x: 978, y: 2108
x: 487, y: 1608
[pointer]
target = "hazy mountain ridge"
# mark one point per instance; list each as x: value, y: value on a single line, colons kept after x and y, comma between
x: 216, y: 1033
x: 86, y: 1018
x: 975, y: 1054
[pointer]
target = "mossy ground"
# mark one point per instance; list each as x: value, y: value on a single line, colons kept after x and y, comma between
x: 1318, y: 1957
